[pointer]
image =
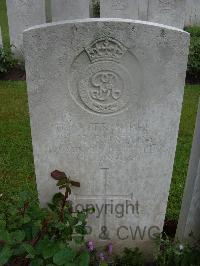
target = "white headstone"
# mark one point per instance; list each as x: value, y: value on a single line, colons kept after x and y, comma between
x: 130, y: 9
x: 168, y: 12
x: 192, y: 12
x: 69, y: 9
x: 1, y: 40
x: 189, y: 220
x: 105, y: 101
x: 143, y: 9
x: 23, y: 14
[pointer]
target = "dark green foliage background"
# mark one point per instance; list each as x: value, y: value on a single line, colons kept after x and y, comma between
x: 193, y: 71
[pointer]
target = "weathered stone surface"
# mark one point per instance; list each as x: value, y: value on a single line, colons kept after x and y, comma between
x: 189, y: 220
x: 105, y: 101
x: 143, y: 9
x: 192, y: 12
x: 1, y: 40
x: 168, y: 12
x: 132, y: 9
x: 23, y: 14
x: 69, y: 9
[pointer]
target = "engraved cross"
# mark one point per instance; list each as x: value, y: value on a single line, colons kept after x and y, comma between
x: 105, y: 195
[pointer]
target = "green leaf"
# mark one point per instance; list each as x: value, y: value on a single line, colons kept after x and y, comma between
x: 37, y: 262
x: 60, y: 225
x: 72, y: 220
x: 50, y: 250
x: 4, y: 236
x: 2, y: 224
x: 62, y: 182
x: 28, y: 233
x: 64, y: 256
x: 5, y: 255
x: 57, y: 198
x: 84, y: 258
x: 78, y: 239
x: 26, y: 219
x: 2, y: 216
x: 41, y: 246
x: 18, y: 236
x: 12, y: 210
x: 52, y: 207
x: 90, y: 210
x: 29, y: 249
x: 19, y: 250
x: 61, y: 187
x: 80, y: 229
x: 103, y: 263
x: 81, y: 216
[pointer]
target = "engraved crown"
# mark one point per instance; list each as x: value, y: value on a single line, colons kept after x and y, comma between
x: 105, y: 48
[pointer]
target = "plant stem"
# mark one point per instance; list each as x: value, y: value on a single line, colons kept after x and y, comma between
x: 40, y: 234
x: 63, y: 205
x: 2, y: 242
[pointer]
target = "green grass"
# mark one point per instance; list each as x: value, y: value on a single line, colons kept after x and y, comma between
x: 16, y: 160
x: 186, y: 131
x: 4, y: 25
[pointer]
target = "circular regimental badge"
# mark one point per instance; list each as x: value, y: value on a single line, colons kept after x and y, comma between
x: 99, y: 80
x: 104, y: 87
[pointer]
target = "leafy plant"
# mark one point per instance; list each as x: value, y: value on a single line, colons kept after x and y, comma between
x: 34, y: 236
x: 194, y: 58
x: 193, y: 30
x: 6, y: 61
x: 30, y: 235
x: 100, y: 258
x: 193, y: 71
x: 130, y: 258
x: 96, y: 8
x: 174, y: 253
